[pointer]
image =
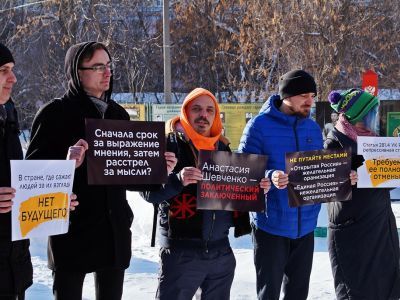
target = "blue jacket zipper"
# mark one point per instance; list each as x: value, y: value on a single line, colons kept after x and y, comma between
x: 298, y: 209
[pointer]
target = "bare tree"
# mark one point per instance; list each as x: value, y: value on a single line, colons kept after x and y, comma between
x: 222, y: 45
x: 41, y: 32
x: 249, y: 43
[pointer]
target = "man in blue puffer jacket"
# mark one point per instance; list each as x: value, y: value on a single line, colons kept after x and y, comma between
x: 284, y: 237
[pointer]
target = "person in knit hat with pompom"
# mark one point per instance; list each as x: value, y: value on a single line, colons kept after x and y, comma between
x: 363, y: 239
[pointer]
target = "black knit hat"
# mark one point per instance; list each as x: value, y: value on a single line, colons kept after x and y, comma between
x: 295, y: 83
x: 5, y: 55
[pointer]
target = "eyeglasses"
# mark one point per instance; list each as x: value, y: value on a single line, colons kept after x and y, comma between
x: 99, y: 68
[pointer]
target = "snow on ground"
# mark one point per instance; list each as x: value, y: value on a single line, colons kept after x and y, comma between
x: 141, y: 276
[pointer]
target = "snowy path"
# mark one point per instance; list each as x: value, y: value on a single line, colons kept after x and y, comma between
x: 141, y: 277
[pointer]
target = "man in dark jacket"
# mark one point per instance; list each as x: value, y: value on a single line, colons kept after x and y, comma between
x: 99, y: 237
x: 15, y: 260
x: 195, y: 250
x: 284, y: 236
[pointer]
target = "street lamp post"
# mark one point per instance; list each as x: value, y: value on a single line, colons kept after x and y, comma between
x: 167, y: 53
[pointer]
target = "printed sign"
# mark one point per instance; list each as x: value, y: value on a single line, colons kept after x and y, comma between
x: 164, y: 112
x: 231, y: 181
x: 388, y: 117
x: 318, y: 176
x: 234, y: 118
x: 381, y: 167
x: 41, y: 203
x: 125, y: 152
x: 393, y: 124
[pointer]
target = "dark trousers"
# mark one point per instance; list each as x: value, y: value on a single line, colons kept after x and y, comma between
x: 282, y: 260
x: 108, y: 283
x: 20, y: 296
x: 183, y: 271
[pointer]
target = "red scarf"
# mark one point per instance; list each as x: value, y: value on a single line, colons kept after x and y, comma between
x: 351, y: 131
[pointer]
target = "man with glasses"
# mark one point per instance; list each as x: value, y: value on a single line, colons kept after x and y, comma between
x: 99, y: 237
x: 15, y: 260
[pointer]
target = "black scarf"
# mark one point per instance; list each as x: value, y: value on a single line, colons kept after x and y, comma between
x: 3, y: 119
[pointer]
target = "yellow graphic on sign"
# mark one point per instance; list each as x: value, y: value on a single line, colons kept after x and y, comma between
x: 42, y: 208
x: 382, y: 170
x: 136, y: 111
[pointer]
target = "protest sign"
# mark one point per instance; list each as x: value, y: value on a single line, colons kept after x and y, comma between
x: 231, y: 181
x: 41, y: 203
x: 318, y: 176
x: 381, y: 167
x: 125, y: 152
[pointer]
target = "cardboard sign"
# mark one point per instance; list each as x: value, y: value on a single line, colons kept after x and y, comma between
x: 125, y: 152
x: 42, y: 198
x: 318, y: 176
x: 381, y: 167
x: 231, y: 181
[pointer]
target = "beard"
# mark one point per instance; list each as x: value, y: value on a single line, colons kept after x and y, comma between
x: 201, y: 128
x: 301, y: 112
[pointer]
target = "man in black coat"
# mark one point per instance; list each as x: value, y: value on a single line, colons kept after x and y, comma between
x: 99, y: 237
x: 15, y: 260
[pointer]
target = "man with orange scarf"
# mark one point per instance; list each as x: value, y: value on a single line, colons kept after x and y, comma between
x: 195, y: 250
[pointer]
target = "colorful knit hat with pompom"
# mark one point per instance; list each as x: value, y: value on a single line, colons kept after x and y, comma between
x: 353, y: 103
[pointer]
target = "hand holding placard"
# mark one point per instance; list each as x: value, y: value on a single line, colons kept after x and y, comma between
x: 280, y: 179
x: 77, y: 152
x: 6, y: 196
x: 189, y: 175
x: 353, y: 177
x: 171, y: 161
x: 265, y: 184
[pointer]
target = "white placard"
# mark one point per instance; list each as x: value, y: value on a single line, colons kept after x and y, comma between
x: 42, y: 198
x: 381, y: 168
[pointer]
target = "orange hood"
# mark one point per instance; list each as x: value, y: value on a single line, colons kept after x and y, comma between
x: 200, y: 141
